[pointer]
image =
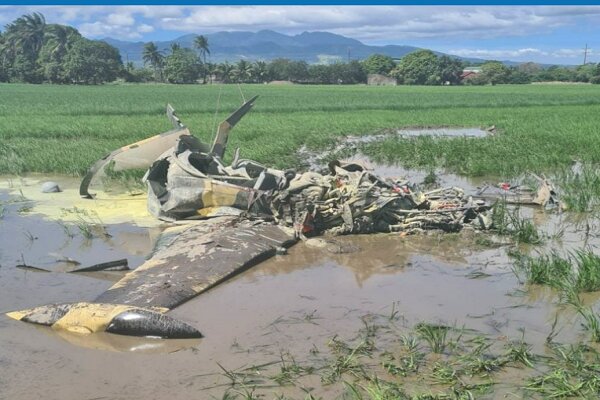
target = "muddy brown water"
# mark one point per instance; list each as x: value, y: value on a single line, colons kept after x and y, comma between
x: 289, y: 304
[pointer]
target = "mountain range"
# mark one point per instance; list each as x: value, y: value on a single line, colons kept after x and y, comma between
x: 312, y: 47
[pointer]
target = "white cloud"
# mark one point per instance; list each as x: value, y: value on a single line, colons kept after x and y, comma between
x: 370, y: 23
x: 120, y: 19
x: 391, y: 23
x: 100, y: 29
x: 498, y: 54
x: 572, y: 53
x: 519, y: 54
x: 144, y: 28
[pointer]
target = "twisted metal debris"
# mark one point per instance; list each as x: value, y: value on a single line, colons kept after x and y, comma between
x: 248, y: 213
x: 189, y: 183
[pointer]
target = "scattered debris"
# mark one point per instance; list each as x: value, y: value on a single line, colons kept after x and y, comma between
x: 31, y: 268
x: 50, y: 187
x: 117, y: 265
x: 249, y: 213
x: 545, y: 195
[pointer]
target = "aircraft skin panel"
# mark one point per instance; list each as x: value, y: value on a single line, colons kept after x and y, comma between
x: 203, y: 255
x: 136, y: 155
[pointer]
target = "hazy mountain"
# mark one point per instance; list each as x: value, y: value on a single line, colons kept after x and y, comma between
x: 312, y: 47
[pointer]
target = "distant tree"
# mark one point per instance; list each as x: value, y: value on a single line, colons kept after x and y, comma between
x: 182, y: 66
x: 529, y: 68
x: 92, y: 62
x: 518, y: 76
x: 24, y: 37
x: 133, y: 74
x: 175, y: 47
x: 596, y: 76
x: 151, y: 55
x: 584, y: 73
x: 421, y: 68
x: 379, y: 64
x: 4, y: 58
x: 320, y: 73
x: 242, y: 71
x: 211, y: 69
x: 33, y: 51
x: 556, y: 73
x: 28, y: 33
x: 58, y: 41
x: 201, y: 44
x: 278, y: 69
x: 297, y: 71
x: 356, y: 72
x: 260, y: 71
x: 225, y: 72
x: 283, y: 69
x: 450, y: 69
x: 494, y: 72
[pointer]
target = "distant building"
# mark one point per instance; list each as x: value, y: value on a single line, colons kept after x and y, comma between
x: 381, y: 80
x: 470, y: 72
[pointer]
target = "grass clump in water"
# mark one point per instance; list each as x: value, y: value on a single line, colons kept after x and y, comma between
x: 574, y: 371
x: 510, y: 223
x: 588, y: 271
x: 434, y: 335
x: 580, y: 188
x: 579, y: 272
x: 549, y: 270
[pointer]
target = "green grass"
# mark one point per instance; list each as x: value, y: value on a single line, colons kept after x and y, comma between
x: 580, y: 187
x: 541, y: 127
x: 549, y: 270
x: 509, y: 222
x: 579, y: 272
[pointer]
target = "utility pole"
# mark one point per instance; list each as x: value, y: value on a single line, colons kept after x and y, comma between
x: 585, y: 54
x: 348, y: 58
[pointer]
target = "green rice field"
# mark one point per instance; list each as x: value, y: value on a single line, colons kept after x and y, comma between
x: 511, y: 312
x: 64, y: 129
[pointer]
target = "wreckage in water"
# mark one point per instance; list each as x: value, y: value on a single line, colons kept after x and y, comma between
x: 239, y: 215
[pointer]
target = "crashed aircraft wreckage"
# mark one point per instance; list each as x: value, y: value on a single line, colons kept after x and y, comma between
x: 239, y: 215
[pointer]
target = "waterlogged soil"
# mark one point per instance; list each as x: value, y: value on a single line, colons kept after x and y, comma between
x: 347, y: 146
x: 287, y: 308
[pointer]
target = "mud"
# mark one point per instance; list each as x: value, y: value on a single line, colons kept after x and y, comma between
x: 291, y: 304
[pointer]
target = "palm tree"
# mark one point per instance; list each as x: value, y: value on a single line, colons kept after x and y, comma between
x: 60, y: 38
x: 225, y: 71
x: 27, y: 32
x: 260, y: 71
x: 175, y: 47
x: 211, y: 69
x: 151, y: 55
x: 243, y: 71
x: 24, y: 39
x: 201, y: 43
x: 6, y: 48
x: 5, y: 57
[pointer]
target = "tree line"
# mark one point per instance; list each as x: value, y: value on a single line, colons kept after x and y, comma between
x: 424, y: 67
x: 33, y: 51
x: 183, y: 65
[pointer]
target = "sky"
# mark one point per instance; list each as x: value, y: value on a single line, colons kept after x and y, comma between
x: 544, y: 34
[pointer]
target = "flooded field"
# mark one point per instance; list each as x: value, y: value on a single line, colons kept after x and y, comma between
x: 319, y: 322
